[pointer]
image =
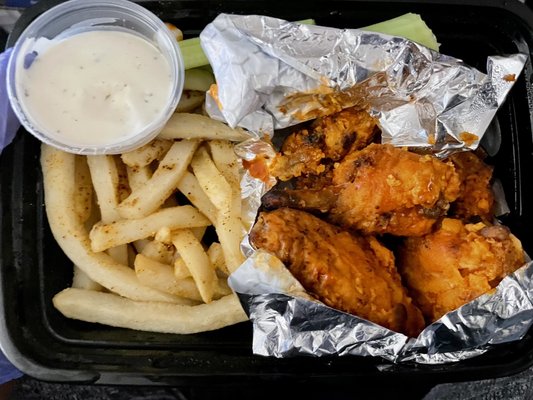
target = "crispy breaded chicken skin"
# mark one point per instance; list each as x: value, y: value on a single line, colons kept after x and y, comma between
x: 457, y: 263
x: 328, y: 139
x: 380, y: 189
x: 348, y: 272
x: 476, y: 198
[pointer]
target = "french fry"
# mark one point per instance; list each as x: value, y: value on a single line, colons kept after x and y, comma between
x: 230, y: 233
x: 195, y: 258
x: 104, y: 175
x: 144, y: 155
x: 81, y: 280
x: 196, y: 126
x: 228, y: 224
x: 159, y: 251
x: 138, y: 177
x: 160, y: 276
x: 211, y: 180
x: 190, y: 99
x: 59, y: 173
x: 140, y: 244
x: 105, y: 236
x: 181, y: 271
x: 189, y: 186
x: 227, y: 163
x: 164, y: 234
x: 84, y: 193
x: 216, y: 255
x: 123, y: 188
x: 163, y: 182
x: 105, y: 178
x: 176, y: 32
x: 110, y: 309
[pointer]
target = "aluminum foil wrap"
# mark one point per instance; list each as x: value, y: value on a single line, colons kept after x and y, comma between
x: 273, y: 74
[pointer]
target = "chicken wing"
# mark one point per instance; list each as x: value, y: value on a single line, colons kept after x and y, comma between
x: 351, y: 273
x: 380, y: 189
x: 476, y: 198
x: 456, y: 264
x: 328, y: 139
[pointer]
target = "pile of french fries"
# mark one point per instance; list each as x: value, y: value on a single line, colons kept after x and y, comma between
x: 140, y: 258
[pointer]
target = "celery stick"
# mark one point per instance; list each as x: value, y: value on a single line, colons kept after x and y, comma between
x: 193, y: 55
x: 410, y: 26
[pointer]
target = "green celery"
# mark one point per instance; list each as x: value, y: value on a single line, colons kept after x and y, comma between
x: 410, y: 26
x: 193, y: 55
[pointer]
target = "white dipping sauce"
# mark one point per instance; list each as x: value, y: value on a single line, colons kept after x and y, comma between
x: 95, y: 88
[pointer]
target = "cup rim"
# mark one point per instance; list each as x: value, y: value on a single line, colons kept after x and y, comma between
x: 168, y: 45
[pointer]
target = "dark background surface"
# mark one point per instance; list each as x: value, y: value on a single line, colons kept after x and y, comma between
x: 515, y: 387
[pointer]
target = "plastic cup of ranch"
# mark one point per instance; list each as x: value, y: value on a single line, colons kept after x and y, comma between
x: 95, y: 76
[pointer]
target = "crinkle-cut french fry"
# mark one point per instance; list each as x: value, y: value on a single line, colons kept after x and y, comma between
x: 81, y: 280
x: 190, y: 100
x: 163, y: 182
x: 105, y: 236
x: 109, y: 309
x: 216, y: 255
x: 217, y: 189
x: 59, y: 182
x: 195, y: 258
x: 159, y: 251
x: 189, y: 186
x: 144, y: 155
x: 138, y: 176
x: 84, y: 192
x: 196, y: 126
x: 105, y: 178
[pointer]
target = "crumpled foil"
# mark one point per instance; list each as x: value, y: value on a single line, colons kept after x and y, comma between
x: 273, y: 74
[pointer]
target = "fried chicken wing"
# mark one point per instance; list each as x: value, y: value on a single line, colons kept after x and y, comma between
x: 308, y: 151
x: 380, y: 189
x: 351, y: 273
x: 457, y: 263
x: 476, y: 198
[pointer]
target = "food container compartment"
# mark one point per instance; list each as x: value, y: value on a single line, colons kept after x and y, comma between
x: 46, y: 345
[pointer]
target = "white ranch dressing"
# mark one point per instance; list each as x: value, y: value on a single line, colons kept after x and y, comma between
x: 95, y: 88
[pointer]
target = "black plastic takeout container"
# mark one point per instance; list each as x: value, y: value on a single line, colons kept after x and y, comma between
x: 45, y: 345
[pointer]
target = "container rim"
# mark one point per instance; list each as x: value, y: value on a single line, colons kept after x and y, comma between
x: 166, y: 44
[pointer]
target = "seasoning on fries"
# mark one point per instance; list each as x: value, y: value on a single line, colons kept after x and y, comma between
x: 177, y: 279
